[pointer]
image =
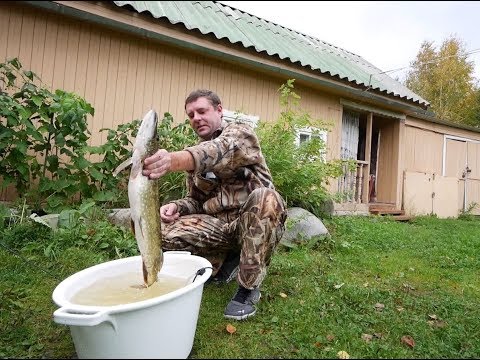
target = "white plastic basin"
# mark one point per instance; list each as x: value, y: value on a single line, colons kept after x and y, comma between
x: 161, y: 327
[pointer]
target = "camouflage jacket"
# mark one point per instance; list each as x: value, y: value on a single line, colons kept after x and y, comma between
x: 227, y: 169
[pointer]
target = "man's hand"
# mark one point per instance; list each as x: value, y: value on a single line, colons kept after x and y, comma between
x: 162, y: 162
x: 158, y: 164
x: 169, y: 212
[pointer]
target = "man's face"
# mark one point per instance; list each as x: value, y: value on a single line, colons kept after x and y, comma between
x: 204, y: 118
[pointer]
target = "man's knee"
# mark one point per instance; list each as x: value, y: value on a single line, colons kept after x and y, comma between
x: 268, y: 203
x: 265, y: 196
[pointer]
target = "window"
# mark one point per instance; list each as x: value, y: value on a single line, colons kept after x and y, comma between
x: 305, y: 134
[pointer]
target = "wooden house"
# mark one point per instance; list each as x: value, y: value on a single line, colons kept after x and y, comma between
x: 124, y: 57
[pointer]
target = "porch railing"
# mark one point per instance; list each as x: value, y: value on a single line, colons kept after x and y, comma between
x: 351, y: 184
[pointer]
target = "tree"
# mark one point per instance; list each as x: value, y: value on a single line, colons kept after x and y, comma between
x: 445, y: 79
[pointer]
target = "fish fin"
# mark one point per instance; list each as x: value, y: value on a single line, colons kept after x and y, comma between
x: 122, y: 166
x: 145, y: 274
x: 136, y: 170
x: 132, y: 226
x: 144, y: 268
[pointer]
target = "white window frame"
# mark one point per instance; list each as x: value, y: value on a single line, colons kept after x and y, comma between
x: 231, y: 116
x: 308, y: 131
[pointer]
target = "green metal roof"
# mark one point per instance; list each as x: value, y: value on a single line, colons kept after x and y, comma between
x: 211, y: 17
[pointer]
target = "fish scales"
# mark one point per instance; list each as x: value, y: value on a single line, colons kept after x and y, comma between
x: 144, y: 201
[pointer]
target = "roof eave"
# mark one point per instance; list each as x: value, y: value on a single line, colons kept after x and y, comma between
x: 343, y: 86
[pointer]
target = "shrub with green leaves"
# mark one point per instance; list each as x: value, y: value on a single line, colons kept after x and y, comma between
x: 43, y: 136
x: 174, y: 138
x: 44, y: 151
x: 299, y: 172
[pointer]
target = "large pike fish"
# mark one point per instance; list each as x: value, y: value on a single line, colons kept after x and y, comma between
x: 144, y: 201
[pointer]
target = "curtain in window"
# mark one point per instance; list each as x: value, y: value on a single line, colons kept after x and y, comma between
x: 350, y: 123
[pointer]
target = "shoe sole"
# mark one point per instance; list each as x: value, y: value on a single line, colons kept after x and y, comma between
x: 243, y: 317
x: 239, y: 317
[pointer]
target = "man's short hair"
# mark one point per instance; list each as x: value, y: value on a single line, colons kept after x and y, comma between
x: 212, y: 97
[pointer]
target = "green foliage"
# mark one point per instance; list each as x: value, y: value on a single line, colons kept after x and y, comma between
x: 34, y: 260
x: 109, y: 189
x: 468, y: 213
x: 315, y: 301
x: 86, y: 227
x: 444, y: 77
x: 44, y: 149
x: 299, y: 173
x: 174, y: 138
x: 42, y: 133
x: 4, y: 215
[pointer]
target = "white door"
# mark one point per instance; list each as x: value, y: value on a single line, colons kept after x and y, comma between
x: 462, y: 160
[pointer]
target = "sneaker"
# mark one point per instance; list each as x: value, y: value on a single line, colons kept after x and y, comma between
x: 242, y: 304
x: 228, y: 271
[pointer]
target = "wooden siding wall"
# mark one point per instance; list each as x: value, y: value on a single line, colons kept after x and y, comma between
x: 123, y: 76
x: 119, y: 75
x: 441, y: 129
x: 423, y: 150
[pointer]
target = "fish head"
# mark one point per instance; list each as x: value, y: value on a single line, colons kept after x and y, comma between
x: 147, y: 137
x: 148, y: 126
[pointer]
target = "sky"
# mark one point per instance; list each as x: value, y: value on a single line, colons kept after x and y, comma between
x: 387, y: 34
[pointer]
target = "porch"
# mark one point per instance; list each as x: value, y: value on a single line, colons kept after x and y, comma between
x: 357, y: 194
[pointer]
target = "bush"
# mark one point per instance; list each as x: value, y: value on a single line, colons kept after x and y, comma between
x: 44, y: 150
x: 299, y: 173
x: 43, y: 139
x: 174, y: 138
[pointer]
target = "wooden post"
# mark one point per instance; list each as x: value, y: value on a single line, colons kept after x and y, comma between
x: 366, y: 168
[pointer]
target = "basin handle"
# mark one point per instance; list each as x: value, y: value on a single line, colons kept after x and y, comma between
x: 178, y: 252
x: 69, y: 316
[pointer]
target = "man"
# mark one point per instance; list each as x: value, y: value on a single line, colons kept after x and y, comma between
x: 231, y: 207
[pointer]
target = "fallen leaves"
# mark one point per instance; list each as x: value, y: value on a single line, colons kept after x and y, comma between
x: 407, y: 287
x: 283, y: 295
x: 435, y: 321
x: 408, y: 340
x: 343, y: 355
x: 367, y: 337
x: 231, y: 329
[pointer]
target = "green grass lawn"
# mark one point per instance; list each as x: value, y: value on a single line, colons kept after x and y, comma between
x: 374, y: 283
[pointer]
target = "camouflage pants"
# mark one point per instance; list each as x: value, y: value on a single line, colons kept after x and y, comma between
x: 255, y: 230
